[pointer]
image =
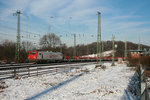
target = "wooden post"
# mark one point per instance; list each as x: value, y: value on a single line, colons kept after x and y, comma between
x: 37, y: 71
x: 64, y: 69
x: 15, y: 72
x: 70, y: 69
x: 56, y: 69
x: 28, y: 71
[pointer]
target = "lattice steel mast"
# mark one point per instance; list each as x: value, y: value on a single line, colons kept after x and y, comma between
x: 99, y: 40
x: 74, y: 50
x: 113, y: 50
x: 17, y: 54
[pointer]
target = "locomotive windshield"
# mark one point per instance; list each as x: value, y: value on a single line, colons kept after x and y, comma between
x: 33, y: 53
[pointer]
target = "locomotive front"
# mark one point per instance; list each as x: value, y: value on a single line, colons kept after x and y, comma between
x: 32, y: 55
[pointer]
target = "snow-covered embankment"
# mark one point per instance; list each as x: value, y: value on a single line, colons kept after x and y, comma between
x: 93, y: 84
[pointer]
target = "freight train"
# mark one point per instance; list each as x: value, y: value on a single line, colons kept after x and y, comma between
x: 49, y: 56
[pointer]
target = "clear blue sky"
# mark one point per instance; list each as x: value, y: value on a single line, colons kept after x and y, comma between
x: 126, y: 19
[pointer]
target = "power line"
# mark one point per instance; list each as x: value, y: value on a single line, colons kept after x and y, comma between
x: 11, y: 28
x: 22, y: 36
x: 1, y: 33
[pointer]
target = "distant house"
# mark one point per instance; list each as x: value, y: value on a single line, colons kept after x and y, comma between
x: 137, y: 53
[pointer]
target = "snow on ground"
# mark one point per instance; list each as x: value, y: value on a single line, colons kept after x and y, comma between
x: 104, y: 54
x: 86, y: 84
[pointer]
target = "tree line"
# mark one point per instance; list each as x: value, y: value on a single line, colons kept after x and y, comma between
x: 52, y: 42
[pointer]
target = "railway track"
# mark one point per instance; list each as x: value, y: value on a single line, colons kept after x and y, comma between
x: 30, y: 69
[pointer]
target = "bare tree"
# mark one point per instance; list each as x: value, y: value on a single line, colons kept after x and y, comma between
x: 7, y: 50
x: 27, y: 45
x: 50, y: 40
x: 43, y: 41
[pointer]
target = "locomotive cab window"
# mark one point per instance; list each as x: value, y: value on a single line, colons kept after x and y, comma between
x: 33, y: 53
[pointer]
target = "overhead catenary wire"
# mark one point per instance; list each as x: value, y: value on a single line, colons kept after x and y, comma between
x: 22, y: 36
x: 11, y: 28
x: 70, y: 20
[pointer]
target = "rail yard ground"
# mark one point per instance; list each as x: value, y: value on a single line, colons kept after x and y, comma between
x: 84, y: 83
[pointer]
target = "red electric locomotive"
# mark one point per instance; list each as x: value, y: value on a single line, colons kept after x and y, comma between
x: 45, y: 56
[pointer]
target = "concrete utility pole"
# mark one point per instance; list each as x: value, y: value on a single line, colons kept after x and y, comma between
x: 99, y: 40
x: 74, y: 50
x: 60, y: 44
x: 102, y: 46
x: 113, y: 48
x: 61, y: 48
x: 139, y: 45
x: 125, y: 51
x: 87, y: 49
x: 17, y: 55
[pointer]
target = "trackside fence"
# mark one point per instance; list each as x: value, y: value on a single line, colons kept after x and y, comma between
x: 28, y: 70
x: 143, y: 84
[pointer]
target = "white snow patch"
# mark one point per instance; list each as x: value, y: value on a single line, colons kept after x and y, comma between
x: 104, y: 54
x: 95, y: 84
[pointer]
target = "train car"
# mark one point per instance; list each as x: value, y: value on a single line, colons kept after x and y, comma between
x: 45, y: 56
x: 137, y: 53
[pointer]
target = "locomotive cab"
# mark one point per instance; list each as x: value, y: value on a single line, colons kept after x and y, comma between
x: 32, y: 55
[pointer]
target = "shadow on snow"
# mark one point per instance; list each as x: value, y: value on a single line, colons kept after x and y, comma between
x: 132, y: 91
x: 54, y: 88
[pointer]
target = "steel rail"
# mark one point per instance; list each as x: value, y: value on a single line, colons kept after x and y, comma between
x: 37, y: 69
